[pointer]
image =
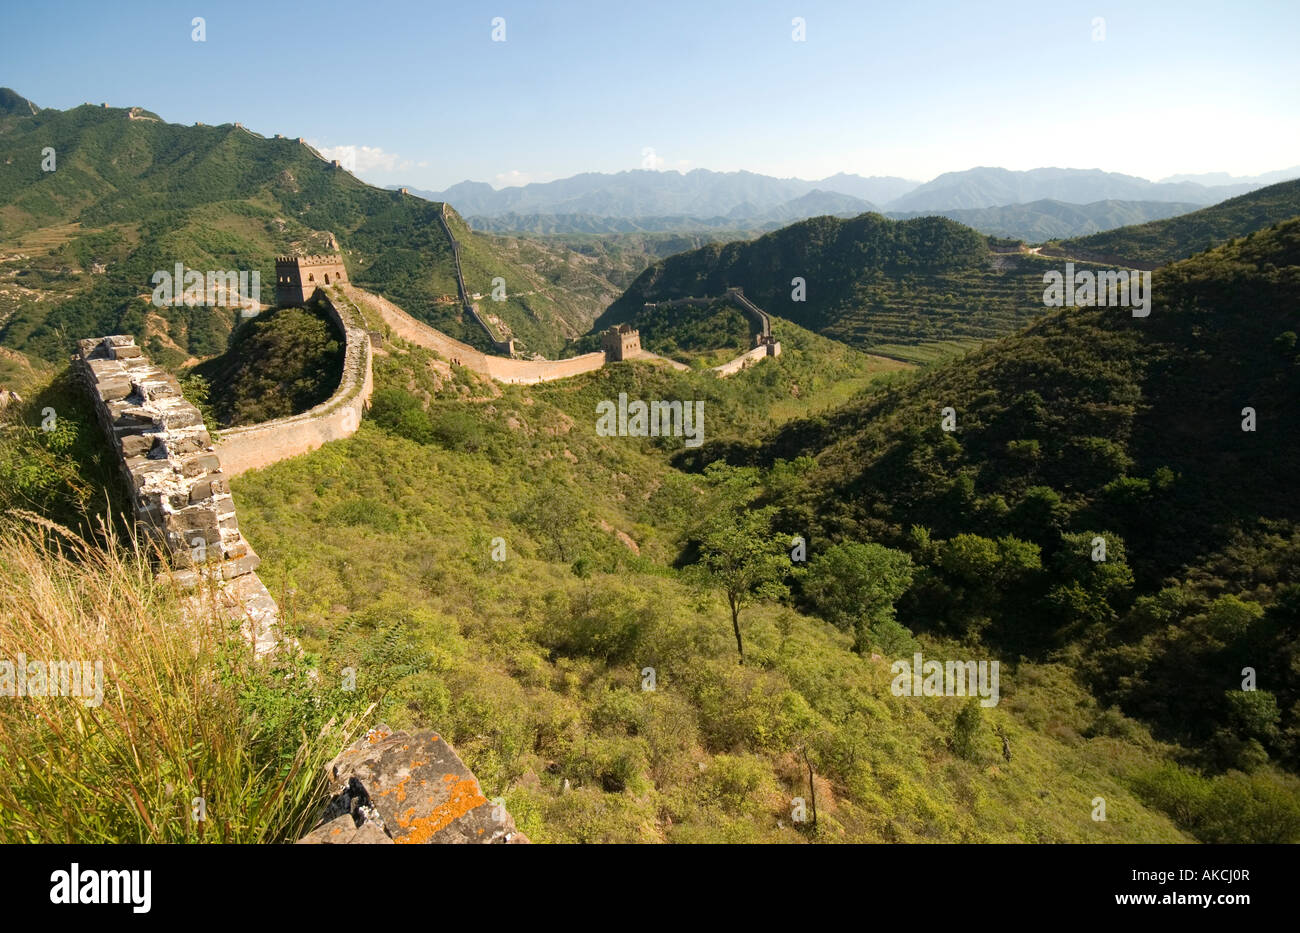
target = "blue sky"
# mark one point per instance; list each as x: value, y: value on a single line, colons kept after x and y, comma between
x: 418, y: 93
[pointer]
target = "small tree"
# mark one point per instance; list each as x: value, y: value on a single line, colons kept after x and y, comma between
x: 854, y: 587
x: 965, y: 731
x: 739, y: 555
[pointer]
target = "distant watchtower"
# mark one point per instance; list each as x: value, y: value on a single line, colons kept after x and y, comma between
x: 298, y: 277
x: 620, y: 342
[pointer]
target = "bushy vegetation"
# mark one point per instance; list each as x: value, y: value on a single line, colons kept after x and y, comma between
x: 278, y: 364
x: 1098, y: 498
x: 908, y: 289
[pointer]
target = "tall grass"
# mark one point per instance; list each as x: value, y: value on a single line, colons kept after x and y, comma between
x: 187, y: 712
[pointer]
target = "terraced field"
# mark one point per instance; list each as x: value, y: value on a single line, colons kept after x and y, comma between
x: 922, y: 318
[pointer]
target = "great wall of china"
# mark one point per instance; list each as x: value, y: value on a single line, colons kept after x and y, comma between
x: 507, y: 346
x: 765, y: 344
x: 180, y: 495
x: 179, y: 483
x: 249, y: 448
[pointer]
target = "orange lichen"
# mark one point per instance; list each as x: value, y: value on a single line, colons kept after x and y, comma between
x: 464, y: 797
x: 400, y: 788
x: 449, y: 778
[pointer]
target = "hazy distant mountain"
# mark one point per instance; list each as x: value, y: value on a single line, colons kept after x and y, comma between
x: 1048, y: 219
x: 991, y: 187
x: 876, y: 189
x: 643, y: 193
x: 743, y: 220
x: 1034, y: 205
x: 1223, y: 178
x: 592, y: 223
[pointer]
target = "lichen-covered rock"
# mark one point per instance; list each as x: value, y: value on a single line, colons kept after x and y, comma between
x: 416, y: 787
x: 343, y: 831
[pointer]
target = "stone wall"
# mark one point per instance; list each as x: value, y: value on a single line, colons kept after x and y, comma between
x: 500, y: 368
x: 179, y: 489
x: 388, y: 787
x: 731, y: 367
x: 259, y: 445
x: 505, y: 346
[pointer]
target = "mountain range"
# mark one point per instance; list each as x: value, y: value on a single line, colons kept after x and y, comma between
x: 1032, y: 205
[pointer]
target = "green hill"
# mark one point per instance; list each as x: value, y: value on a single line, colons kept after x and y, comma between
x: 280, y: 363
x: 380, y: 548
x: 131, y: 195
x: 1162, y: 241
x: 1094, y: 424
x: 913, y: 289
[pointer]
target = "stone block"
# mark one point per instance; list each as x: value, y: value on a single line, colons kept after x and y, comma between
x: 208, y: 487
x: 189, y: 523
x: 157, y: 387
x: 174, y: 445
x: 113, y: 388
x: 142, y: 468
x: 197, y: 466
x: 133, y: 417
x: 180, y: 416
x: 418, y: 786
x: 248, y: 563
x: 100, y: 369
x: 126, y: 353
x: 137, y: 445
x: 342, y: 830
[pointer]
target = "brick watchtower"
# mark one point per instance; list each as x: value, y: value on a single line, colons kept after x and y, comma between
x: 298, y: 277
x: 621, y: 342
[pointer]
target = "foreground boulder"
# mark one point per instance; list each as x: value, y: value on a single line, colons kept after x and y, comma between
x: 398, y: 787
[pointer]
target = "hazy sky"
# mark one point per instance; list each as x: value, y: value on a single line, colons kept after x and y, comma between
x: 902, y: 88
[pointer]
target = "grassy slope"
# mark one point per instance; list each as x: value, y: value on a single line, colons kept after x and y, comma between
x: 1096, y: 422
x: 380, y: 549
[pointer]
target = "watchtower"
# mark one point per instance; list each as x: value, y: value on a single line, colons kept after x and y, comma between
x: 620, y: 342
x: 298, y: 277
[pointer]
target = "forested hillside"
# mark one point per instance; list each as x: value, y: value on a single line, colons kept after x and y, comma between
x: 1163, y: 241
x: 913, y: 289
x: 130, y: 195
x: 1172, y: 438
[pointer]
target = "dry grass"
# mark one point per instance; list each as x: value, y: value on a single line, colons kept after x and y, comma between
x: 186, y: 712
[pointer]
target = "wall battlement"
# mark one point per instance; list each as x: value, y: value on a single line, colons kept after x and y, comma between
x: 621, y: 342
